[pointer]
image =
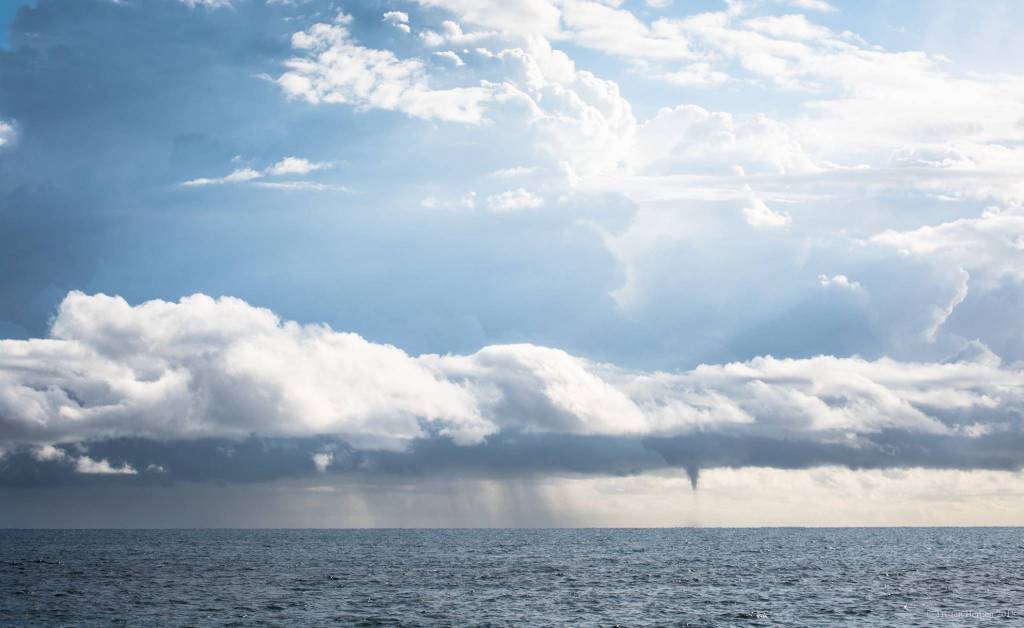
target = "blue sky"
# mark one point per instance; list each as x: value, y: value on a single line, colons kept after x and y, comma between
x: 7, y: 14
x: 774, y: 236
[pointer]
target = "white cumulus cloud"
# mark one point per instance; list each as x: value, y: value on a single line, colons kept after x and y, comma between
x: 81, y: 464
x: 398, y: 19
x: 323, y: 460
x: 7, y: 133
x: 295, y: 165
x: 203, y: 367
x: 85, y: 464
x: 991, y: 245
x: 758, y: 214
x: 451, y: 56
x: 839, y: 281
x: 333, y: 68
x: 512, y: 200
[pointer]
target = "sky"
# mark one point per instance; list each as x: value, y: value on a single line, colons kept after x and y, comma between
x: 331, y: 263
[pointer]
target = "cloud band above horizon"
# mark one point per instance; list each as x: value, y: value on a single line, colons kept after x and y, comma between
x: 220, y: 369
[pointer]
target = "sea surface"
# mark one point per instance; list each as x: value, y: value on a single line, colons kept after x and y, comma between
x: 577, y: 577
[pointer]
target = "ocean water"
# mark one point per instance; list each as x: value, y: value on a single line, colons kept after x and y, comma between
x: 578, y: 577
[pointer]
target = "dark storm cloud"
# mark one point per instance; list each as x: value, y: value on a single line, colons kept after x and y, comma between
x: 256, y: 459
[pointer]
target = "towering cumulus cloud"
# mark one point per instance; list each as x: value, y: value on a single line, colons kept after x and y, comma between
x: 206, y: 368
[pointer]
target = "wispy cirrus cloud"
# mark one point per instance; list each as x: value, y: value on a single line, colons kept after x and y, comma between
x: 240, y: 175
x: 288, y: 166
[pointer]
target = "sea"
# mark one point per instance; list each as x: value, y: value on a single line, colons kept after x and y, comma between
x: 514, y: 577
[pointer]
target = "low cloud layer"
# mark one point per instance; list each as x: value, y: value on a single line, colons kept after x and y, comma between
x: 199, y: 378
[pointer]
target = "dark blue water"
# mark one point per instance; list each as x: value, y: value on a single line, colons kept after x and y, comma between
x: 699, y: 577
